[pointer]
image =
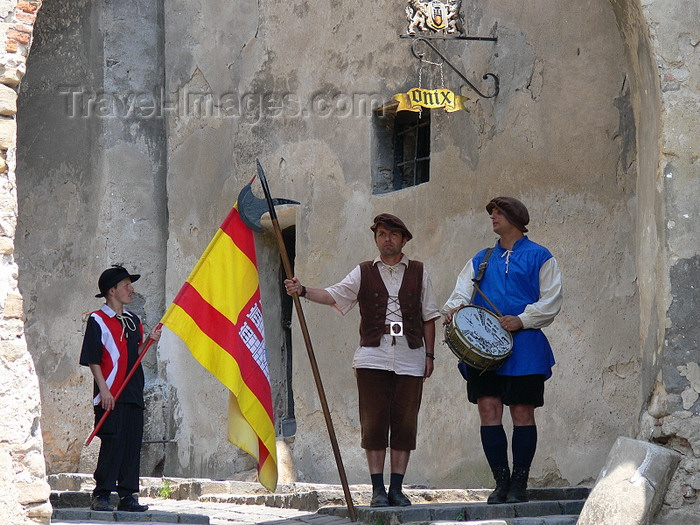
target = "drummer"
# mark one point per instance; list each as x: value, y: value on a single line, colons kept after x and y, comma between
x: 523, y: 281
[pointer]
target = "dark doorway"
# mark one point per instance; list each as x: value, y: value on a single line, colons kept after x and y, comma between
x: 288, y: 425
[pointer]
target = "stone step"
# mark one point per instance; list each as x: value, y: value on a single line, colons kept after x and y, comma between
x: 241, y: 492
x: 556, y: 511
x: 68, y: 515
x: 73, y: 515
x: 544, y: 520
x: 312, y: 500
x: 547, y: 506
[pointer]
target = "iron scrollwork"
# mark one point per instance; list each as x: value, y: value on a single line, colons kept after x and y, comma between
x: 417, y: 40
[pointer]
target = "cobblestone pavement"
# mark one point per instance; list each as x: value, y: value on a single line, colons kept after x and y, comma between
x: 227, y: 513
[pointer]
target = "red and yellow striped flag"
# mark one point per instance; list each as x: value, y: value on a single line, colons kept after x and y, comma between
x: 218, y: 315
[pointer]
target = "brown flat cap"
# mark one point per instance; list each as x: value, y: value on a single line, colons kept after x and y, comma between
x: 514, y: 210
x: 391, y: 222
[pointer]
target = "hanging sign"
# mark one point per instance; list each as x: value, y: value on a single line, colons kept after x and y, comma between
x: 417, y: 98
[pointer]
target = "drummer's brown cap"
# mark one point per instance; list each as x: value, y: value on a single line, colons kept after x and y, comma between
x: 391, y: 222
x: 514, y: 210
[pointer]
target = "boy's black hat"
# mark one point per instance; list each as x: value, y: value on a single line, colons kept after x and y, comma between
x: 112, y: 277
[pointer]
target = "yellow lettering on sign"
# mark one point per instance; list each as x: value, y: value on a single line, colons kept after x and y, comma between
x: 417, y: 98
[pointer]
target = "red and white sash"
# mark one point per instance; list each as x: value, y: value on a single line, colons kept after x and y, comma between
x: 115, y: 355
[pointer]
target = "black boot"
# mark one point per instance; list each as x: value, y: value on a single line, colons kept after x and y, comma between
x: 502, y: 477
x: 518, y: 486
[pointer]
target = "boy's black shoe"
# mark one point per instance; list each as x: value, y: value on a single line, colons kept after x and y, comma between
x: 101, y: 503
x: 131, y: 504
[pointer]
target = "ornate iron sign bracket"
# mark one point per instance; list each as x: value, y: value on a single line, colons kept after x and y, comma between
x: 417, y: 40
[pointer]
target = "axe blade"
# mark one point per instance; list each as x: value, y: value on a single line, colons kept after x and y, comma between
x: 252, y: 208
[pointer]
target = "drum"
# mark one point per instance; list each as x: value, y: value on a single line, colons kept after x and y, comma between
x: 476, y: 337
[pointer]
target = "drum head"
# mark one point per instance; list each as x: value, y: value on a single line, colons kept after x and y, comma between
x: 481, y: 328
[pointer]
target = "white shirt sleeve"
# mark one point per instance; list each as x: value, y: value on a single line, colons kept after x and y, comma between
x: 542, y: 313
x: 345, y: 292
x: 429, y: 305
x: 462, y: 294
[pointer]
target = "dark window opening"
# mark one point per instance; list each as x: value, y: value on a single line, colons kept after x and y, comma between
x: 401, y: 152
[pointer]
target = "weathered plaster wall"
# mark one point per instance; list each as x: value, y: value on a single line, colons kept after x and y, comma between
x: 560, y: 136
x: 48, y: 246
x: 204, y: 179
x: 649, y: 231
x: 91, y: 194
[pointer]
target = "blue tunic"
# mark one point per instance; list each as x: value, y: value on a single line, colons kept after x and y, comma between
x: 511, y: 282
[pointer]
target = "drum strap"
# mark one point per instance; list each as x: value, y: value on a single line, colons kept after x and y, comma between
x: 480, y: 273
x: 477, y: 280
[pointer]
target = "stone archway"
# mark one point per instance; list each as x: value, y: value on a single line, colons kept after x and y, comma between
x: 645, y: 100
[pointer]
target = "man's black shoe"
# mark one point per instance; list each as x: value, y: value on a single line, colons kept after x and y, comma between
x: 101, y: 503
x: 131, y: 504
x: 379, y: 499
x: 397, y: 499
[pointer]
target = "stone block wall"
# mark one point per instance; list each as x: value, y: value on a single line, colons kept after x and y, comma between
x: 25, y: 491
x: 672, y: 413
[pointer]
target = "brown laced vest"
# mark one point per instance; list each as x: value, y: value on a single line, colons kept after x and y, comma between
x: 373, y: 298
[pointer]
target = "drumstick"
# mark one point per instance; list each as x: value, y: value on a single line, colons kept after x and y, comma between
x: 495, y: 310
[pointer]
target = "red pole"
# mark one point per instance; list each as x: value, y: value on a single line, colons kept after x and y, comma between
x: 121, y: 388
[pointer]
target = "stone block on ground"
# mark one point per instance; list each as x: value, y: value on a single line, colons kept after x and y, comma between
x: 631, y: 485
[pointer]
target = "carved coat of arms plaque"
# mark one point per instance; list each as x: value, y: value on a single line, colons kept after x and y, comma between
x: 433, y: 17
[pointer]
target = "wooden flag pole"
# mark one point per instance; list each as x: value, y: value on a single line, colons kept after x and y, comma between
x: 121, y: 388
x: 309, y: 348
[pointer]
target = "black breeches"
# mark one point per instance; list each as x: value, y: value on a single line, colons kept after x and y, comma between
x: 119, y: 462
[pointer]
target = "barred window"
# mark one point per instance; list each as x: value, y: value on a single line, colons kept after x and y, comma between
x: 401, y: 149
